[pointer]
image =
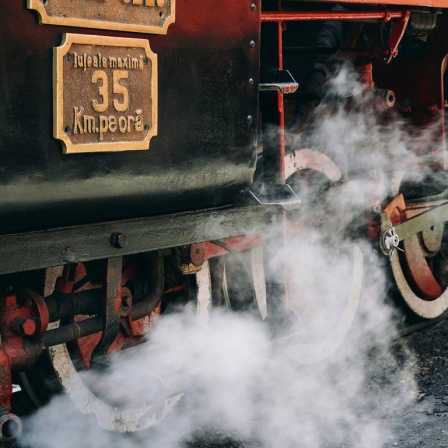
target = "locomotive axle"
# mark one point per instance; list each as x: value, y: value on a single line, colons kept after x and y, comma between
x: 25, y: 317
x: 416, y: 228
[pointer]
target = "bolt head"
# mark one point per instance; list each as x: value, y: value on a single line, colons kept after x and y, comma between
x: 68, y: 254
x: 119, y: 240
x: 432, y: 108
x: 407, y: 110
x: 27, y: 327
x: 197, y: 254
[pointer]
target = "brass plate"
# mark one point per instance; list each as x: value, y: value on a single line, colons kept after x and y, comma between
x: 138, y: 16
x: 105, y: 93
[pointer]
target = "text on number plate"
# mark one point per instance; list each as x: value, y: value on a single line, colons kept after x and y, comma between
x: 139, y: 16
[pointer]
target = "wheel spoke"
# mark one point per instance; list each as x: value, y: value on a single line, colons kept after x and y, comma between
x: 204, y: 296
x: 311, y: 352
x: 259, y: 280
x: 427, y: 309
x: 318, y: 340
x: 418, y: 270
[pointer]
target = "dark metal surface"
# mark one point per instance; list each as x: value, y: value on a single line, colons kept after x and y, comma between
x: 204, y: 152
x: 416, y: 77
x: 61, y: 306
x: 88, y: 242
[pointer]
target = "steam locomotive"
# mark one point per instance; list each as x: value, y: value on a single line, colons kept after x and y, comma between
x: 148, y: 155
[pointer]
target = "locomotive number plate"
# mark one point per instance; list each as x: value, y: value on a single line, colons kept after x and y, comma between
x: 140, y: 16
x: 105, y: 93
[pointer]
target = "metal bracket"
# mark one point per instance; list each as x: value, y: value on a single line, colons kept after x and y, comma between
x: 419, y: 223
x: 39, y: 249
x: 392, y: 235
x: 396, y: 35
x: 274, y: 194
x: 280, y: 80
x: 112, y: 305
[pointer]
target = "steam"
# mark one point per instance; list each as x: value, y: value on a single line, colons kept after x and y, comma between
x: 235, y: 375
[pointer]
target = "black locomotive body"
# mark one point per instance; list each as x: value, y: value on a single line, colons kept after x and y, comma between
x: 97, y: 240
x: 204, y: 152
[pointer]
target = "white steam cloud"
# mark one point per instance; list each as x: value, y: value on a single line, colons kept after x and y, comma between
x: 272, y: 387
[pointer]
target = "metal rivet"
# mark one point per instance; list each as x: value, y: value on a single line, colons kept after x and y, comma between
x: 118, y: 240
x: 250, y: 119
x: 432, y: 108
x: 253, y: 7
x: 251, y: 81
x: 252, y: 44
x: 27, y: 327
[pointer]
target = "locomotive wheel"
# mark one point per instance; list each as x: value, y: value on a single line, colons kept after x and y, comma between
x: 420, y: 269
x: 421, y: 276
x: 421, y: 272
x: 91, y: 398
x: 65, y: 367
x: 322, y: 332
x: 239, y: 282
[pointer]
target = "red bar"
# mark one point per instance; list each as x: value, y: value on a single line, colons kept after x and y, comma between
x: 280, y: 102
x: 294, y: 16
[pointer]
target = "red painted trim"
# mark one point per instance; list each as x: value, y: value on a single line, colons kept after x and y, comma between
x: 419, y: 3
x: 281, y: 103
x: 294, y: 16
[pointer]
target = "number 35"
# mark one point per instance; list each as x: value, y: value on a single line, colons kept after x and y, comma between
x: 117, y: 89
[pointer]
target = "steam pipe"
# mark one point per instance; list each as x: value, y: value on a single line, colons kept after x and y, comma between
x: 10, y: 428
x: 61, y: 306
